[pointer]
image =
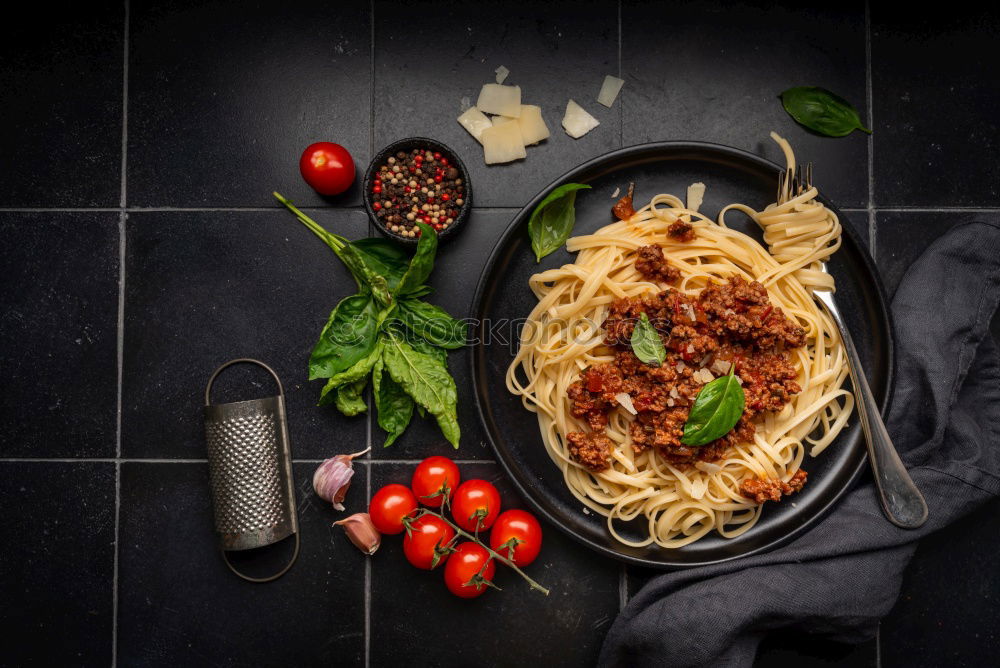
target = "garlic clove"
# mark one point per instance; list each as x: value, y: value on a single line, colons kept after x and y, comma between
x: 332, y: 478
x: 362, y: 532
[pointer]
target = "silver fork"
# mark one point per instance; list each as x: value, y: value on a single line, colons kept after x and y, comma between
x: 901, y: 501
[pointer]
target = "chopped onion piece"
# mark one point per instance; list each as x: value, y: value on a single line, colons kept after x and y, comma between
x: 609, y: 90
x: 475, y: 122
x: 502, y: 143
x: 532, y: 125
x: 696, y: 195
x: 502, y: 73
x: 689, y: 311
x: 500, y: 100
x: 626, y: 401
x: 577, y: 122
x: 615, y: 194
x: 707, y: 467
x: 674, y: 393
x: 670, y: 403
x: 680, y: 366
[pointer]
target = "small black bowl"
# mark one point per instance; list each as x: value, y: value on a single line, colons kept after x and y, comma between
x: 408, y: 145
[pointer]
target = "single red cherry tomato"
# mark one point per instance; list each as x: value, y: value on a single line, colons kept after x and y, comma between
x: 431, y: 476
x: 476, y: 505
x: 518, y: 529
x: 425, y: 545
x: 468, y: 569
x: 327, y: 167
x: 389, y: 506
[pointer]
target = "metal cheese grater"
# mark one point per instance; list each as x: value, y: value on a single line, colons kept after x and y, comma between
x: 250, y: 472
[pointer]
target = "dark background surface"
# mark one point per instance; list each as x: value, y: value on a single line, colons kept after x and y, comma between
x: 142, y: 248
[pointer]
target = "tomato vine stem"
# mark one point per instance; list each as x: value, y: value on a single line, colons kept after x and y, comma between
x: 496, y: 555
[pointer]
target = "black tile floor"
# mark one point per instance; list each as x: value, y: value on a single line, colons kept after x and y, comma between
x: 142, y: 248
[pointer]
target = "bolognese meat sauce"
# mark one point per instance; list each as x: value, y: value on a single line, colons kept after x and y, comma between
x: 728, y: 323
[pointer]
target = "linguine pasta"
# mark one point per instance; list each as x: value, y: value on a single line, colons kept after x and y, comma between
x: 563, y: 336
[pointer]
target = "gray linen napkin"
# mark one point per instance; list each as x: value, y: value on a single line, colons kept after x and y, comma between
x: 842, y: 576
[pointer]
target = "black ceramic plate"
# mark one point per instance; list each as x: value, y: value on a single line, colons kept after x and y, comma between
x: 730, y: 175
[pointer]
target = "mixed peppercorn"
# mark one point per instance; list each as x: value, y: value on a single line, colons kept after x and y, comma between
x: 417, y: 186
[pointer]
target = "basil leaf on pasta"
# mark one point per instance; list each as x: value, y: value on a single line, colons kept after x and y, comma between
x: 716, y: 410
x: 646, y: 343
x: 552, y: 221
x: 822, y: 111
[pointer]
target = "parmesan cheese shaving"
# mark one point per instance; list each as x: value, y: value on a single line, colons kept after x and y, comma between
x: 475, y: 122
x: 695, y: 196
x: 615, y: 194
x: 609, y: 90
x: 721, y: 367
x: 502, y: 143
x: 532, y: 125
x: 502, y: 73
x: 500, y: 100
x: 576, y: 121
x: 626, y: 401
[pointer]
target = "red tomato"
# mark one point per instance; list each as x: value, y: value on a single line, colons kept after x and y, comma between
x: 464, y: 574
x: 430, y: 476
x: 327, y: 167
x: 476, y: 505
x: 389, y: 506
x: 427, y: 539
x: 521, y: 530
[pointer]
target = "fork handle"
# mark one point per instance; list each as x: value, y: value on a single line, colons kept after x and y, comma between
x: 901, y: 501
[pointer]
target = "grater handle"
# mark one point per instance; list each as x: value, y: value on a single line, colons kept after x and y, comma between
x: 247, y: 360
x: 270, y: 578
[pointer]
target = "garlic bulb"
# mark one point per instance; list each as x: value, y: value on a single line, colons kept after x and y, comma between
x: 362, y: 532
x: 333, y: 478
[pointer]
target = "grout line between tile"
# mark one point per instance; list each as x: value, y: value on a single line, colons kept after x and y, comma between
x: 621, y: 101
x: 122, y: 217
x: 371, y: 88
x: 369, y: 392
x: 871, y: 126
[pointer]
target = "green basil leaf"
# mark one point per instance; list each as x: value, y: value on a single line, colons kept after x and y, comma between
x: 646, y: 342
x: 367, y: 278
x: 552, y: 221
x: 432, y: 323
x: 427, y: 380
x: 422, y: 262
x: 349, y: 400
x: 384, y: 258
x: 349, y: 336
x: 356, y: 372
x: 395, y: 406
x: 822, y: 111
x: 716, y: 410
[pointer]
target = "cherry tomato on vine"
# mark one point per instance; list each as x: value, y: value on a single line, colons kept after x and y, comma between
x: 327, y: 167
x: 468, y: 570
x: 426, y: 544
x: 430, y: 476
x: 389, y: 506
x: 476, y: 505
x: 521, y: 530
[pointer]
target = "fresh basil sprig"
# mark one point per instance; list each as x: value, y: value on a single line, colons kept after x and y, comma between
x: 822, y: 111
x: 646, y: 342
x: 387, y: 331
x: 716, y: 410
x: 552, y: 221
